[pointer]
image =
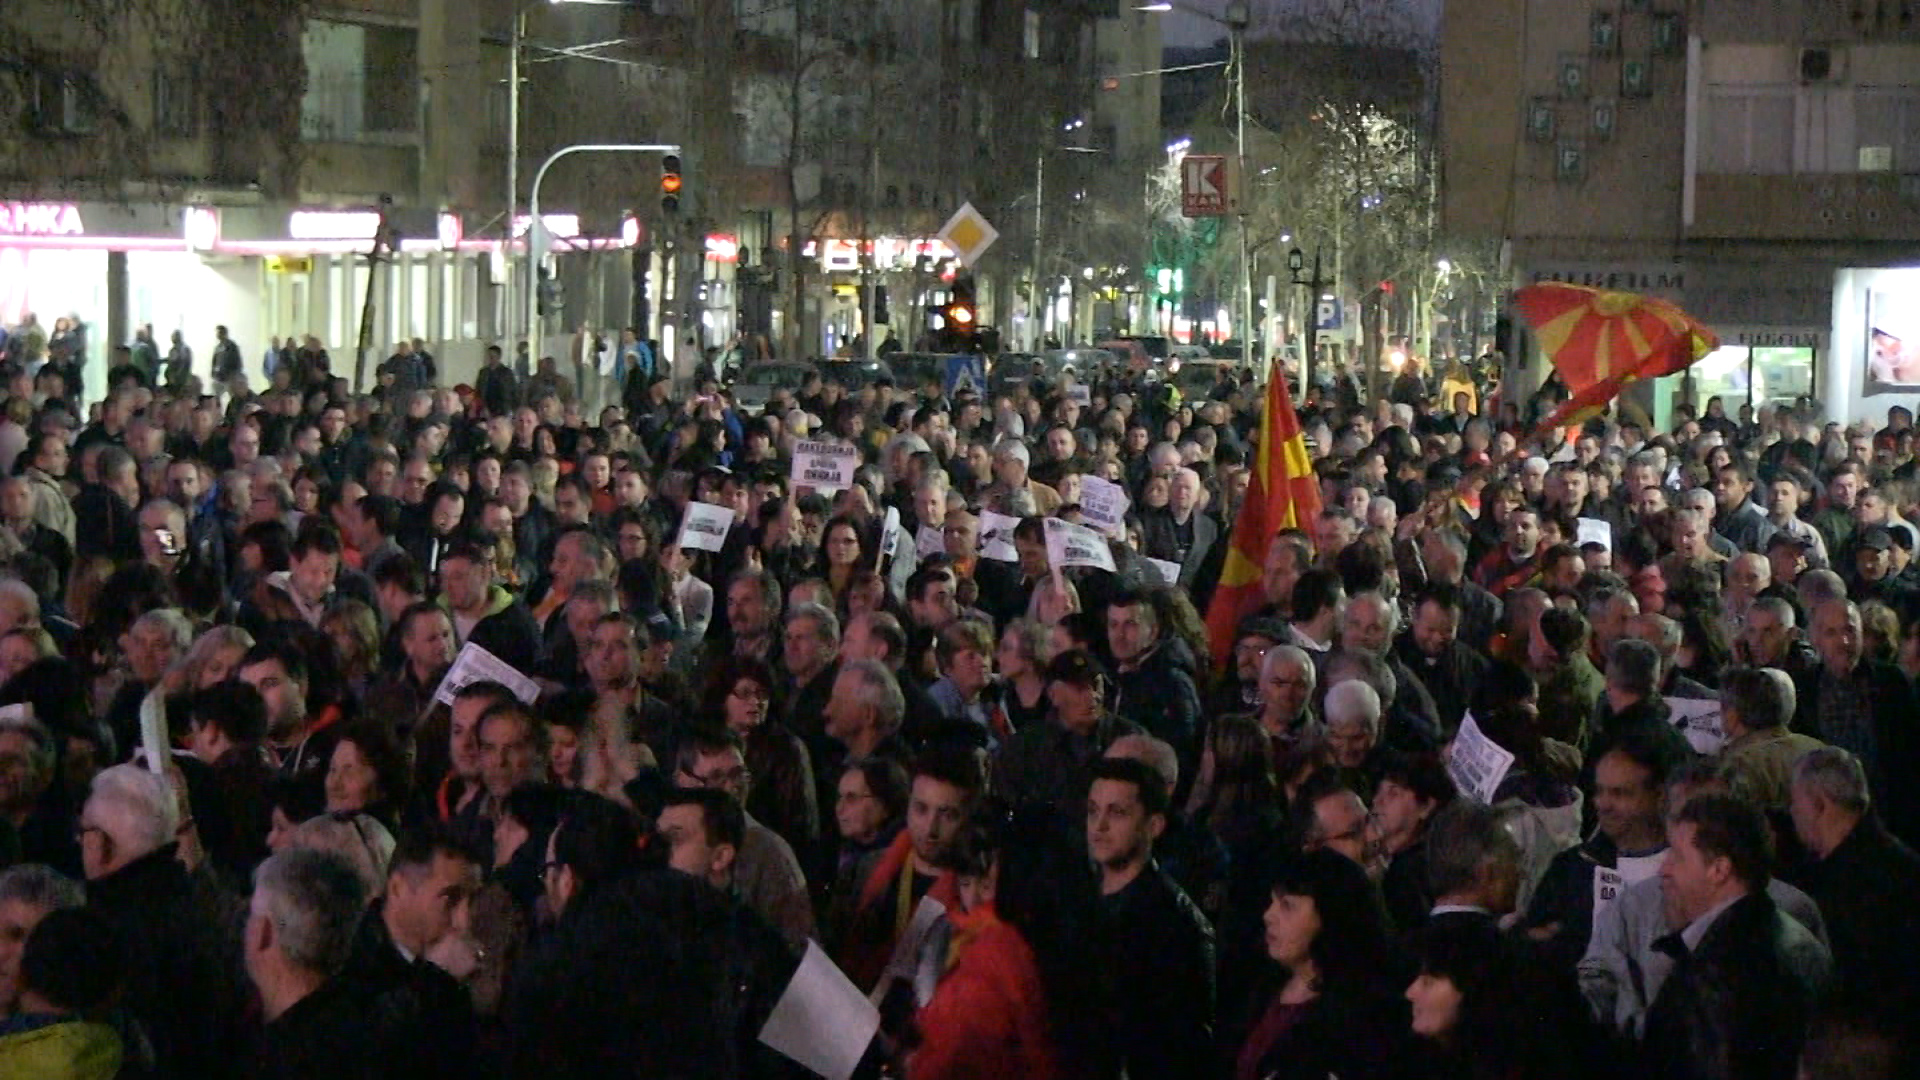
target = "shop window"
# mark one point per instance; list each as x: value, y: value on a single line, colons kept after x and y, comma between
x: 175, y: 101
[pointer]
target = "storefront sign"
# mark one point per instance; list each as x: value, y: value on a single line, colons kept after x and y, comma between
x: 333, y: 224
x: 40, y: 219
x: 1655, y: 279
x: 1776, y: 339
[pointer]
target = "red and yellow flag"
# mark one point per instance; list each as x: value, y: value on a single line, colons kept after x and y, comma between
x: 1599, y: 341
x: 1283, y: 493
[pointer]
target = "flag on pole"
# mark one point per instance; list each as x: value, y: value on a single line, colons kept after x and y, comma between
x: 1600, y: 341
x: 1283, y: 493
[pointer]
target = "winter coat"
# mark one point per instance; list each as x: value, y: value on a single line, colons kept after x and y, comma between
x: 988, y: 1015
x: 1866, y: 888
x: 1160, y: 694
x: 507, y: 630
x: 59, y: 1049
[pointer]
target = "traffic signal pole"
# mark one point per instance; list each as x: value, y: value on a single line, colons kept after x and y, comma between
x: 538, y: 243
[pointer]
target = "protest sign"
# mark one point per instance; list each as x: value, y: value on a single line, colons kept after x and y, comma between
x: 1076, y: 545
x: 929, y: 541
x: 476, y: 664
x: 890, y: 534
x: 1699, y: 721
x: 1607, y: 884
x: 1104, y: 505
x: 1080, y: 395
x: 705, y: 527
x: 824, y: 466
x: 1476, y: 763
x: 1594, y: 531
x: 822, y: 1021
x: 1168, y: 571
x: 996, y: 537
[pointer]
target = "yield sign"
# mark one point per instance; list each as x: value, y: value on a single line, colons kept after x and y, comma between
x: 1206, y: 188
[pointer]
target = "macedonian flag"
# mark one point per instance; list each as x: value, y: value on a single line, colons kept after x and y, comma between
x: 1600, y: 340
x: 1283, y: 493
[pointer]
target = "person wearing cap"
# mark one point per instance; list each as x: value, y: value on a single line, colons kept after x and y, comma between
x: 1874, y: 577
x: 1048, y: 764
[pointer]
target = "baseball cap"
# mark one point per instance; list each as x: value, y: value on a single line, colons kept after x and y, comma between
x: 1075, y: 667
x: 1876, y: 538
x: 1786, y: 539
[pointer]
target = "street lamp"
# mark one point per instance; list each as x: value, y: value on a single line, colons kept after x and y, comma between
x: 1236, y: 20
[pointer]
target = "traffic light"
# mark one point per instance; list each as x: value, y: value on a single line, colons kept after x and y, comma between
x: 962, y: 330
x: 670, y: 183
x: 549, y: 298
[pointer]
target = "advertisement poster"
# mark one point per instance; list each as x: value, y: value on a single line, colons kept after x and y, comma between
x: 1893, y: 341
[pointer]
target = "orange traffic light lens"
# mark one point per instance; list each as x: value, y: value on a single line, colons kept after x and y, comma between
x: 670, y: 184
x: 962, y: 315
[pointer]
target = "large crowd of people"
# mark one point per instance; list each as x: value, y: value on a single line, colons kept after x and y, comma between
x: 411, y: 734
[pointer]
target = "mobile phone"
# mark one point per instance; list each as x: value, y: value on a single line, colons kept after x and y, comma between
x: 169, y: 544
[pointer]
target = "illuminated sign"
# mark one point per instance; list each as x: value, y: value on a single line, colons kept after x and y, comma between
x: 333, y: 224
x: 889, y: 252
x: 201, y: 224
x: 723, y: 247
x: 40, y: 219
x: 561, y: 226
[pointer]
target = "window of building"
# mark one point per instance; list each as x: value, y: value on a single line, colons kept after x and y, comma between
x: 1749, y: 130
x: 175, y: 104
x: 362, y: 82
x: 65, y: 103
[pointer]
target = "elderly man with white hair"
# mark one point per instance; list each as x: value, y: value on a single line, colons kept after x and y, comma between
x: 1178, y: 532
x: 1287, y: 679
x: 1352, y: 713
x: 178, y: 932
x: 1010, y: 461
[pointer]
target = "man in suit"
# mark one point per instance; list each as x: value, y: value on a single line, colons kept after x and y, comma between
x: 1178, y: 532
x: 1746, y: 976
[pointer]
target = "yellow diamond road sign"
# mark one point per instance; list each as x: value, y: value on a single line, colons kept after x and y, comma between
x: 969, y: 234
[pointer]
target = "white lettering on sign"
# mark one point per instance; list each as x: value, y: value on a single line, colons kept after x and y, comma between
x: 40, y: 219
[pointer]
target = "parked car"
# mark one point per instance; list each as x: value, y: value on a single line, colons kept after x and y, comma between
x: 852, y: 375
x: 757, y: 385
x: 1084, y: 363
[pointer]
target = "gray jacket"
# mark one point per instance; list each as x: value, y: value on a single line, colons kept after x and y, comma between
x: 1622, y: 973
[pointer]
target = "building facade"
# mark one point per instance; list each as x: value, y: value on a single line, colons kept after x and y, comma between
x: 1758, y: 163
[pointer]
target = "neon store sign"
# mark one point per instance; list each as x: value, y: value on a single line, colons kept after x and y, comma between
x: 40, y: 219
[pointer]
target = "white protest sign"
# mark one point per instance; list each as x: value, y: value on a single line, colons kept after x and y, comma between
x: 822, y: 1021
x: 824, y: 466
x: 1476, y: 763
x: 706, y: 525
x: 890, y: 534
x: 22, y: 711
x: 929, y: 540
x: 153, y: 731
x: 1104, y: 504
x: 1076, y: 545
x: 996, y: 537
x: 905, y: 961
x: 1080, y: 394
x: 1168, y: 571
x: 1699, y: 721
x: 476, y: 664
x: 1607, y: 884
x: 1593, y: 531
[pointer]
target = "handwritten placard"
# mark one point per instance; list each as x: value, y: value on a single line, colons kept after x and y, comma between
x: 1104, y: 504
x: 824, y: 466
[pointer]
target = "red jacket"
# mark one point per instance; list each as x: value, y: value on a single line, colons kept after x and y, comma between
x: 988, y: 1016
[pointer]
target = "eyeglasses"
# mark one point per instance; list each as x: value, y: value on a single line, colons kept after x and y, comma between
x: 723, y: 778
x: 846, y: 798
x: 752, y: 694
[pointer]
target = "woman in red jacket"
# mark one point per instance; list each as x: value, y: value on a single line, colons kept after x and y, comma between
x: 1013, y: 953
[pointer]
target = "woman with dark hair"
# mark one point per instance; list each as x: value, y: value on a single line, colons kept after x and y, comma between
x: 1480, y: 1012
x: 843, y: 552
x: 368, y: 773
x: 739, y: 694
x: 1016, y: 987
x: 1704, y: 650
x: 1331, y: 1016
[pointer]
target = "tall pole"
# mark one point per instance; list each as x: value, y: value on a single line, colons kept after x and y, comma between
x: 511, y: 316
x: 1036, y: 301
x: 1237, y: 23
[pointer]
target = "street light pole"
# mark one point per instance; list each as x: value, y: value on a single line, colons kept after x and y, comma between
x: 1236, y: 19
x: 511, y: 318
x: 537, y: 231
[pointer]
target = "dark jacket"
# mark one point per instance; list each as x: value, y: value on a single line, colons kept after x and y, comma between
x: 1161, y: 696
x: 1356, y: 1033
x: 655, y: 975
x: 1161, y: 539
x: 1449, y: 677
x: 499, y: 390
x: 1565, y: 897
x: 104, y: 525
x: 1896, y: 751
x: 1736, y: 1007
x: 1866, y: 889
x: 1047, y: 764
x: 509, y: 631
x: 184, y: 971
x: 322, y: 1037
x: 421, y: 1021
x: 1156, y: 953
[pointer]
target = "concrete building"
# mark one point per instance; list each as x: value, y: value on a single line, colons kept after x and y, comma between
x: 1759, y: 163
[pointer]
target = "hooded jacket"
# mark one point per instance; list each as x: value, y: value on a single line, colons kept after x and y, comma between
x: 506, y: 629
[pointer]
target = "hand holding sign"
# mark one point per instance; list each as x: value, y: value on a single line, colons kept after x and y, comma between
x: 824, y: 466
x: 1476, y: 763
x: 705, y: 527
x: 1104, y: 505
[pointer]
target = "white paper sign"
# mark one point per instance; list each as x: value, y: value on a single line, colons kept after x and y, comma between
x: 822, y: 1021
x: 929, y: 541
x: 475, y: 664
x: 1699, y: 720
x: 1476, y: 763
x: 153, y: 731
x: 1080, y: 395
x: 1104, y: 504
x: 1607, y: 884
x: 1593, y: 531
x: 996, y: 537
x: 1169, y: 571
x: 824, y: 466
x: 890, y: 534
x: 706, y: 525
x: 1076, y: 545
x: 21, y: 711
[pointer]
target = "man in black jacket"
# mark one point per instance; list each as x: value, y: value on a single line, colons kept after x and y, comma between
x: 104, y: 522
x: 499, y: 390
x: 299, y: 934
x: 1154, y: 686
x: 483, y: 612
x: 1431, y: 649
x: 423, y: 1020
x: 1746, y: 976
x: 1863, y: 879
x: 1865, y: 707
x: 1156, y: 945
